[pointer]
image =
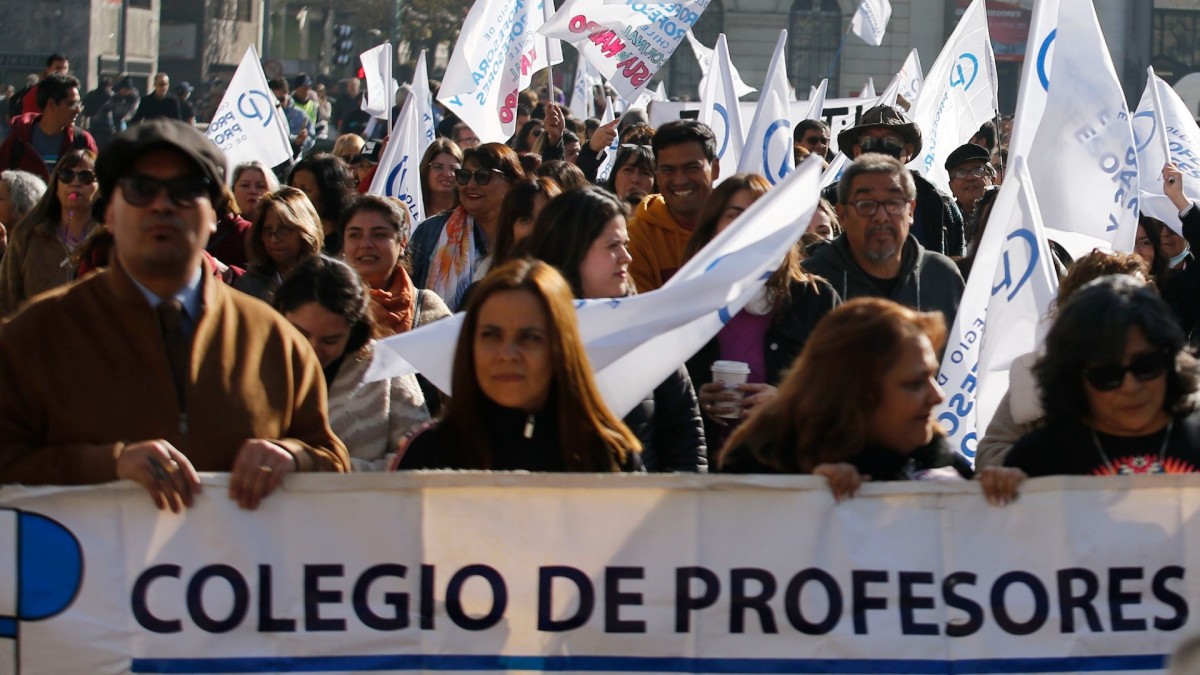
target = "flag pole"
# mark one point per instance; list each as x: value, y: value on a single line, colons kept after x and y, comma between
x: 836, y: 56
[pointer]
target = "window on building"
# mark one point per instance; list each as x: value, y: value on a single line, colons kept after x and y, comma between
x: 1177, y: 37
x: 683, y: 72
x: 814, y: 30
x: 140, y: 4
x: 240, y: 10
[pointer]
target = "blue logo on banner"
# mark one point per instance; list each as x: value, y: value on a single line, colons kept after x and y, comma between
x: 1043, y: 53
x: 251, y: 108
x: 1007, y: 282
x: 959, y: 77
x: 772, y: 177
x: 49, y: 571
x: 1138, y: 139
x: 392, y: 186
x: 720, y: 110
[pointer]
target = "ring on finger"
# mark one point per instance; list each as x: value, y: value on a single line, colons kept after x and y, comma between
x: 172, y: 466
x: 265, y: 469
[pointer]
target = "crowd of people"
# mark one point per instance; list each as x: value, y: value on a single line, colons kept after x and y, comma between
x: 229, y: 320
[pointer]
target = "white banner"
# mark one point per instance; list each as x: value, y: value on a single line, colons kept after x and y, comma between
x: 248, y: 124
x: 610, y: 153
x: 381, y: 88
x: 816, y: 103
x: 910, y: 79
x: 958, y: 96
x: 478, y: 573
x: 1008, y: 293
x: 1164, y: 128
x: 1083, y: 157
x: 1035, y: 76
x: 424, y: 96
x: 634, y: 343
x: 768, y: 147
x: 497, y: 53
x: 870, y: 20
x: 720, y: 110
x: 705, y: 56
x: 628, y: 41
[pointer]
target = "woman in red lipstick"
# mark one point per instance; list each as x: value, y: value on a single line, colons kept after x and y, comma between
x: 523, y: 393
x: 38, y: 257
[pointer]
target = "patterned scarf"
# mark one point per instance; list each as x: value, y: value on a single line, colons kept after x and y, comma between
x: 393, y: 307
x: 452, y: 268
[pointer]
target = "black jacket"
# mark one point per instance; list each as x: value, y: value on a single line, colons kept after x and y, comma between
x: 782, y: 343
x: 879, y: 463
x: 668, y: 424
x: 1182, y: 289
x: 937, y: 216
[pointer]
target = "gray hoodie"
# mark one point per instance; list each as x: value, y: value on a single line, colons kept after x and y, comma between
x: 928, y: 282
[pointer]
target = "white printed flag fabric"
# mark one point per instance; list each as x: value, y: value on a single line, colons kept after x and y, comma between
x: 719, y: 109
x: 870, y: 20
x: 1164, y: 128
x: 248, y: 124
x: 705, y: 56
x: 768, y: 147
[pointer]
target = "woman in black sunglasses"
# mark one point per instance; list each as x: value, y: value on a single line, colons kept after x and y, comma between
x: 447, y: 250
x: 1116, y: 384
x: 38, y: 257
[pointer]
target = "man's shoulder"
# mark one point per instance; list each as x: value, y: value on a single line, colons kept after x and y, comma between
x: 652, y: 214
x: 57, y: 306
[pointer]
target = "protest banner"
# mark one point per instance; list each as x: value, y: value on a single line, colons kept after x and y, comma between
x: 870, y: 21
x: 1083, y: 157
x: 958, y: 95
x: 248, y: 125
x: 768, y: 147
x: 909, y: 79
x: 497, y: 53
x: 1031, y: 100
x: 704, y: 57
x: 676, y: 574
x: 399, y: 171
x: 628, y: 41
x: 1164, y: 129
x: 587, y: 78
x: 1007, y: 298
x: 420, y: 89
x: 634, y: 343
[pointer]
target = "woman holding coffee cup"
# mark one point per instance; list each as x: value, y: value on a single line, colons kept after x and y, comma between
x: 582, y: 232
x: 738, y: 370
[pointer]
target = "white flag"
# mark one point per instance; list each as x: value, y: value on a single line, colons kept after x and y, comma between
x: 910, y: 78
x: 635, y: 343
x: 870, y: 21
x: 868, y: 90
x: 248, y: 125
x: 768, y: 148
x: 420, y: 90
x: 660, y: 92
x: 816, y: 104
x: 628, y: 41
x: 587, y: 78
x: 1008, y: 292
x: 495, y: 58
x: 958, y: 96
x: 381, y: 88
x: 610, y: 153
x: 1165, y: 129
x: 1035, y: 76
x: 719, y: 109
x: 398, y: 174
x: 1083, y: 158
x: 705, y: 56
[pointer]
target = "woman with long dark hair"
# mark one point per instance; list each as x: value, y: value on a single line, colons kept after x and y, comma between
x: 330, y: 185
x: 524, y: 395
x: 438, y: 190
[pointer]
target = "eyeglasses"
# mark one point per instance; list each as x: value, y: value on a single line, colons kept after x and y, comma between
x: 869, y: 207
x: 886, y: 146
x: 85, y: 176
x: 977, y: 172
x: 438, y: 167
x: 142, y: 190
x: 1143, y: 367
x: 481, y: 176
x: 279, y: 233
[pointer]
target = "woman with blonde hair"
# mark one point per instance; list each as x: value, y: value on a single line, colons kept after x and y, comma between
x: 524, y: 394
x: 286, y: 230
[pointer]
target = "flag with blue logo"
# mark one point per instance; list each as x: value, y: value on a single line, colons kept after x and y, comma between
x: 768, y: 147
x: 248, y: 125
x: 1165, y: 130
x: 398, y: 174
x: 870, y: 20
x: 719, y: 109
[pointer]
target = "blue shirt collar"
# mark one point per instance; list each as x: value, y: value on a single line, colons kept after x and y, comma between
x: 188, y: 296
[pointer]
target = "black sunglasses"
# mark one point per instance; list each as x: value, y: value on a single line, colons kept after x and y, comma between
x: 1144, y: 367
x: 85, y: 176
x: 142, y: 190
x: 884, y: 146
x: 481, y: 176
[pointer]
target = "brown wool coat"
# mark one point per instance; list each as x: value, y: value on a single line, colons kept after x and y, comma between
x: 83, y: 371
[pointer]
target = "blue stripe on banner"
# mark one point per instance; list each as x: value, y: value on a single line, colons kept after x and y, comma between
x: 8, y: 627
x: 630, y: 664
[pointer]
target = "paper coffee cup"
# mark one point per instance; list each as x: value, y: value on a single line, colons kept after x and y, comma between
x: 730, y: 374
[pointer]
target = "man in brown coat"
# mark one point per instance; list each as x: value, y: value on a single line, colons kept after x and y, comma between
x: 152, y: 370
